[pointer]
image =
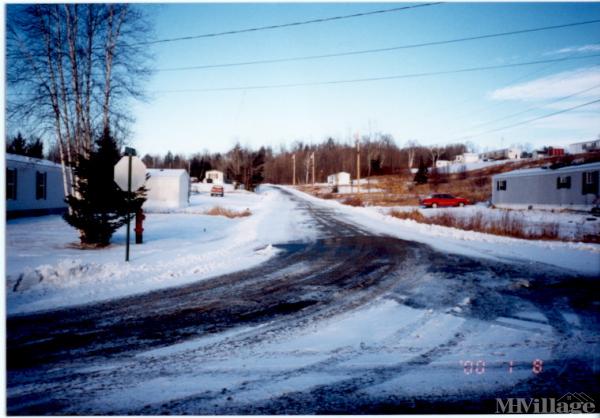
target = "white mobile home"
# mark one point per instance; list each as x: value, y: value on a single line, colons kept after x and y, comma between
x: 501, y: 154
x: 467, y: 157
x: 574, y: 187
x: 339, y: 179
x: 167, y: 189
x: 586, y: 146
x: 34, y: 187
x: 214, y: 176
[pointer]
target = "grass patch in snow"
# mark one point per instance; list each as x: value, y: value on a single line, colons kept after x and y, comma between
x: 507, y: 224
x: 229, y: 213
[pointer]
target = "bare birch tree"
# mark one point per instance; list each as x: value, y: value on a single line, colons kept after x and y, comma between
x: 71, y: 70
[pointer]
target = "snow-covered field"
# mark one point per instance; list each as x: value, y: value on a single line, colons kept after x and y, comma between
x: 45, y: 269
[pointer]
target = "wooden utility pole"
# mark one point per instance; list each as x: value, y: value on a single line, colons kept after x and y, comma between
x: 294, y: 169
x: 357, y: 163
x: 312, y: 157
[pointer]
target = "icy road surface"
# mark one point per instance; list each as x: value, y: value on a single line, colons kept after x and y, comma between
x: 349, y: 322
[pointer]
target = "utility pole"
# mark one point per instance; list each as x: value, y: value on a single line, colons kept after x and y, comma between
x: 294, y: 169
x: 357, y: 163
x: 312, y: 157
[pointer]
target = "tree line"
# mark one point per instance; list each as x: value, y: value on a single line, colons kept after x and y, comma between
x: 379, y: 155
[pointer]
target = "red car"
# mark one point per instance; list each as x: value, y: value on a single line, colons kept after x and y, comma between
x: 435, y: 200
x: 217, y: 191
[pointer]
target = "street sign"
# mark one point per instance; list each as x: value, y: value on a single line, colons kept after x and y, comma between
x: 138, y: 173
x: 130, y: 175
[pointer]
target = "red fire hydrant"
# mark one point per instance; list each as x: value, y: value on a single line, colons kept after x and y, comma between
x: 139, y: 226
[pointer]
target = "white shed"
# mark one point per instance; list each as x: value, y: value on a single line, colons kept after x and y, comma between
x: 214, y: 176
x: 34, y: 187
x: 339, y: 179
x: 167, y: 189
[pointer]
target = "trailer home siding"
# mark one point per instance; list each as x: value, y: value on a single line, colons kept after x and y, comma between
x: 34, y: 187
x: 575, y: 187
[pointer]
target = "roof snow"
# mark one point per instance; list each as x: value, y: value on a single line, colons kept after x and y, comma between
x: 164, y: 172
x: 30, y: 160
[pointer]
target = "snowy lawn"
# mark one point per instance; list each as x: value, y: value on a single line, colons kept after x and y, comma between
x: 582, y: 258
x: 45, y: 268
x: 570, y: 224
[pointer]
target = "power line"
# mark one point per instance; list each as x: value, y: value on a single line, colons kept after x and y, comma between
x: 376, y: 50
x: 529, y: 109
x: 531, y: 120
x: 367, y: 79
x: 285, y: 25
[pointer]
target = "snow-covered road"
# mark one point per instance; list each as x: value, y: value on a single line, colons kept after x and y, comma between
x: 341, y: 319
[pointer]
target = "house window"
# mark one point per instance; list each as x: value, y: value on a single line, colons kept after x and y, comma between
x: 563, y: 182
x: 11, y: 183
x: 589, y: 184
x: 501, y: 185
x: 40, y: 185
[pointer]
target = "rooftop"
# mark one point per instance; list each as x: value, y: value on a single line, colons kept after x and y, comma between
x: 166, y: 172
x: 542, y: 171
x: 31, y: 160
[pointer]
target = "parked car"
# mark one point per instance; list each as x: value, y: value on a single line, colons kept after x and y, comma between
x: 435, y: 200
x: 217, y: 191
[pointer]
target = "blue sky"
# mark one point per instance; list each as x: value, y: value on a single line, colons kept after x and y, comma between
x: 431, y: 110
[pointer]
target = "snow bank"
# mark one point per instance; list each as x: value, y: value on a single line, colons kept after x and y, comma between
x: 578, y: 257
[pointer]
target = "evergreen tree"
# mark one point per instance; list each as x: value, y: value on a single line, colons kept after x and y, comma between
x: 421, y: 175
x: 100, y: 207
x: 18, y: 145
x: 35, y: 149
x: 168, y: 162
x: 258, y: 167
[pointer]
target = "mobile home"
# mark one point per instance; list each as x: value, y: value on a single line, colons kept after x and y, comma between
x: 34, y: 187
x: 585, y: 146
x: 574, y: 187
x: 214, y: 176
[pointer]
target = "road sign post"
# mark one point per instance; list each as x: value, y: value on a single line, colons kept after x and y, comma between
x: 130, y: 175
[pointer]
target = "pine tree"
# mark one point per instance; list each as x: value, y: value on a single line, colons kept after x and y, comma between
x: 100, y: 207
x: 35, y: 148
x: 18, y: 145
x: 421, y: 175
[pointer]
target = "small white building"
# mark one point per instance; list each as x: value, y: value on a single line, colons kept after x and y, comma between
x: 167, y: 188
x: 574, y: 187
x: 585, y: 146
x: 339, y: 179
x: 442, y: 163
x: 501, y: 154
x: 466, y: 158
x: 214, y: 176
x: 34, y: 187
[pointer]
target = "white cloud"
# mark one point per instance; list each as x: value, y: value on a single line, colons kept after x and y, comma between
x: 574, y: 49
x: 554, y: 86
